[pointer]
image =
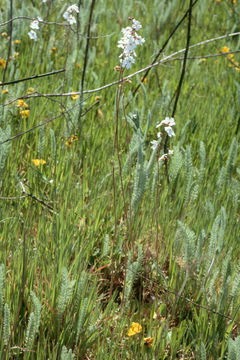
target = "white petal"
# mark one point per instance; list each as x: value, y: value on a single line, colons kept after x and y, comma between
x: 169, y: 131
x: 167, y: 121
x: 32, y: 34
x: 72, y: 8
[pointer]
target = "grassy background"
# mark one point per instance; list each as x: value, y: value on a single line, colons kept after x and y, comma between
x: 92, y: 275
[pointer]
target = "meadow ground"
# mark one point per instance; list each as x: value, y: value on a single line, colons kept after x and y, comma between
x: 109, y: 248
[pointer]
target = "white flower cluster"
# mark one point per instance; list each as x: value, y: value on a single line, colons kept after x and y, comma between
x: 169, y: 122
x: 128, y: 43
x: 34, y: 26
x: 68, y: 15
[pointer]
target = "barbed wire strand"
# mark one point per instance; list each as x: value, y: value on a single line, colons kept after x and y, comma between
x: 164, y: 60
x: 53, y: 23
x: 177, y: 295
x: 44, y: 123
x: 32, y: 77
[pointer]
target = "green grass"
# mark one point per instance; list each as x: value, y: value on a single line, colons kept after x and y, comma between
x: 94, y: 264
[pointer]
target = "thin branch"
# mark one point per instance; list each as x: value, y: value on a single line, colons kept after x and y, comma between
x: 41, y: 124
x: 53, y: 23
x: 176, y: 294
x: 184, y: 61
x: 32, y: 77
x: 90, y: 107
x: 178, y: 91
x: 164, y: 45
x: 13, y: 197
x: 199, y: 57
x: 22, y: 349
x: 164, y: 60
x: 31, y: 19
x: 36, y: 199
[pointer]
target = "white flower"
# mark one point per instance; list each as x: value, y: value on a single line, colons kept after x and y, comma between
x: 154, y: 144
x: 163, y: 157
x: 127, y: 31
x: 167, y: 121
x: 70, y: 18
x: 159, y: 134
x: 169, y: 131
x: 139, y: 40
x: 131, y: 44
x: 136, y: 25
x: 39, y: 19
x: 44, y: 1
x: 34, y: 25
x: 127, y: 62
x: 122, y: 43
x: 72, y: 8
x: 128, y: 43
x: 32, y: 34
x: 66, y: 15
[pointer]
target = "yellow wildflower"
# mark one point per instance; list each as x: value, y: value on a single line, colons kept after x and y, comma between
x: 97, y: 98
x: 230, y: 56
x: 2, y: 63
x: 4, y: 34
x: 78, y: 65
x: 25, y: 113
x: 30, y: 90
x: 237, y: 67
x: 38, y: 162
x: 225, y: 49
x: 16, y: 54
x: 74, y: 97
x: 5, y: 91
x: 68, y: 143
x: 21, y: 103
x: 148, y: 341
x: 234, y: 2
x: 135, y: 328
x: 144, y: 80
x: 71, y: 140
x: 53, y: 49
x: 17, y: 41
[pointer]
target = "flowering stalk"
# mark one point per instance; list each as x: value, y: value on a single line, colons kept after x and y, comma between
x: 34, y: 26
x: 170, y: 122
x: 128, y: 43
x: 68, y: 15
